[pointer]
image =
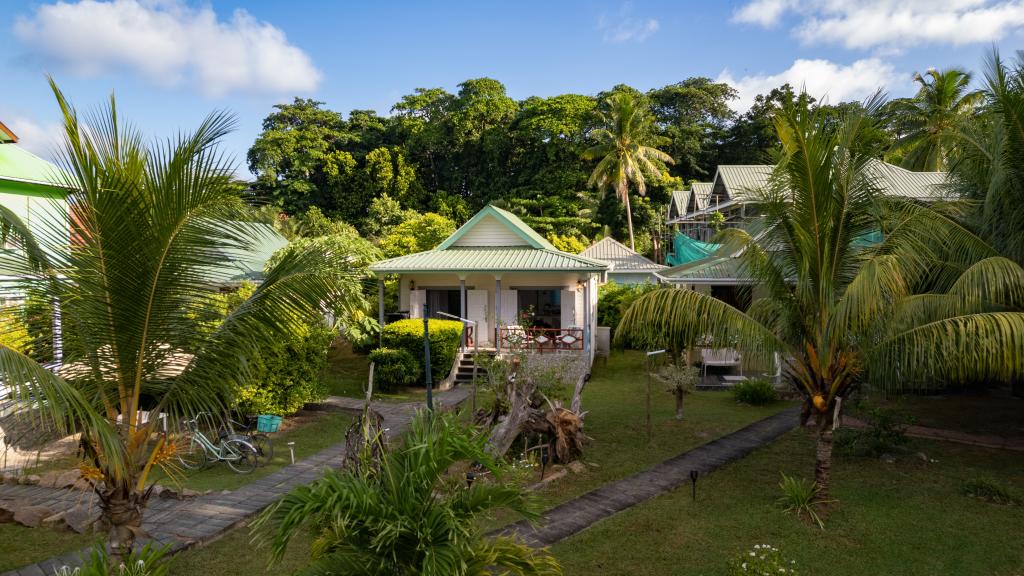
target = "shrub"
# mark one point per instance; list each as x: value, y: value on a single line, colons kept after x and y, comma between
x: 146, y: 561
x: 800, y: 496
x: 445, y: 336
x: 287, y: 375
x: 14, y: 332
x: 755, y: 392
x: 614, y: 299
x: 885, y: 434
x: 393, y: 369
x: 987, y: 490
x: 763, y: 560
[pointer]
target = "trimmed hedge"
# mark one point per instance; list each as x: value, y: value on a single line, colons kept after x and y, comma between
x: 393, y: 369
x: 287, y: 375
x: 445, y: 336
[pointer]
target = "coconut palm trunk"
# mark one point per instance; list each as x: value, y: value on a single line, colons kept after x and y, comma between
x: 823, y: 463
x: 122, y: 510
x: 629, y: 218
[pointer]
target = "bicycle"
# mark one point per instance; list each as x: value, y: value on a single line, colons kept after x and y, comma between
x: 199, y: 451
x: 251, y: 433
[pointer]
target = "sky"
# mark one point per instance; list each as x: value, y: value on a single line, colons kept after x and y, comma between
x: 171, y: 62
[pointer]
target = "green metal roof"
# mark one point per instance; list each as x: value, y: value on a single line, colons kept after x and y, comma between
x: 240, y: 265
x: 529, y: 235
x: 620, y: 256
x: 20, y: 165
x: 489, y: 259
x: 724, y: 270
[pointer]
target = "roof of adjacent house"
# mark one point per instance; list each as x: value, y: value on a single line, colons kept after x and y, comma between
x: 493, y: 240
x: 742, y: 179
x: 721, y: 270
x: 620, y: 257
x: 701, y: 193
x: 698, y: 195
x: 898, y: 181
x: 240, y: 265
x: 20, y: 165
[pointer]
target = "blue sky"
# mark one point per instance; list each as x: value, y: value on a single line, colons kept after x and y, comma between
x: 172, y: 61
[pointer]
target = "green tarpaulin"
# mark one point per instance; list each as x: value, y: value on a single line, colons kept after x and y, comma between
x: 686, y: 249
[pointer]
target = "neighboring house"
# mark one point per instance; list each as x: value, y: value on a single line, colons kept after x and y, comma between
x: 625, y: 265
x: 731, y: 194
x: 33, y: 190
x: 501, y: 274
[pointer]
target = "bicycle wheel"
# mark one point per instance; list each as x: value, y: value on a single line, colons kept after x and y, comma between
x: 191, y: 453
x: 239, y: 455
x: 264, y: 448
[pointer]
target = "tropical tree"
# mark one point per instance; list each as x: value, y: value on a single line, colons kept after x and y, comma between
x: 931, y: 118
x: 148, y: 226
x: 404, y: 514
x: 625, y: 151
x: 990, y: 169
x: 930, y: 304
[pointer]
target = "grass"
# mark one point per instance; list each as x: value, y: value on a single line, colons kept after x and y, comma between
x: 224, y: 557
x: 347, y: 373
x: 311, y: 432
x: 967, y: 411
x: 614, y: 400
x: 907, y: 518
x: 20, y: 546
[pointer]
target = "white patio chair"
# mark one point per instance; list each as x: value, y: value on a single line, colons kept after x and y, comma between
x: 721, y: 357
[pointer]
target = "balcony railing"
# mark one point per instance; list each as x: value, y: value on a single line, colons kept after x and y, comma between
x: 540, y: 339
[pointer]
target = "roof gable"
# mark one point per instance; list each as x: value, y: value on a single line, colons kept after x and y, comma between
x: 20, y: 165
x: 740, y: 181
x: 493, y: 227
x: 619, y: 256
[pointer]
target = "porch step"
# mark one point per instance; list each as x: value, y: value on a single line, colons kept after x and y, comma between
x: 464, y: 372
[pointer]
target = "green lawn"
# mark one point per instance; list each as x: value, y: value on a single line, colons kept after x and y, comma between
x: 964, y: 411
x: 907, y: 518
x: 20, y: 546
x: 311, y: 432
x: 234, y: 554
x: 615, y: 403
x: 347, y: 373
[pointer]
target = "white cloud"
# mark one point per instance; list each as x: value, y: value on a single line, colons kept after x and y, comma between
x: 168, y: 42
x: 39, y: 138
x: 822, y: 79
x: 763, y: 12
x: 624, y: 27
x: 891, y: 24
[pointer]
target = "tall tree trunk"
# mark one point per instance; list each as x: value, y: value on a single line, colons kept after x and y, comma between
x: 823, y: 461
x: 678, y: 393
x: 121, y: 509
x: 629, y: 220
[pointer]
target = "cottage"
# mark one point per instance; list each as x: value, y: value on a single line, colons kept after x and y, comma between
x: 515, y: 288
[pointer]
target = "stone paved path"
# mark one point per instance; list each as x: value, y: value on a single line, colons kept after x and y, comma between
x: 577, y: 514
x: 184, y: 523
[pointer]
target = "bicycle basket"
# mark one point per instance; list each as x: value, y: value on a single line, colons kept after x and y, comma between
x: 267, y: 423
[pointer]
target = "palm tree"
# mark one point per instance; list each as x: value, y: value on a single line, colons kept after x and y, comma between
x: 930, y: 304
x: 990, y: 169
x: 404, y: 515
x: 624, y: 150
x: 931, y: 118
x: 148, y: 224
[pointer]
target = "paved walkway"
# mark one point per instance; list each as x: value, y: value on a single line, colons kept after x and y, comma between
x: 983, y: 440
x: 184, y: 523
x: 579, y: 513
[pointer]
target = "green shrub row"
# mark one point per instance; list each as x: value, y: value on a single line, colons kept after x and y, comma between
x: 755, y: 392
x: 407, y: 335
x: 393, y: 369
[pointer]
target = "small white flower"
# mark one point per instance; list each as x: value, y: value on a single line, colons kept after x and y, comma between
x: 752, y: 554
x: 744, y: 566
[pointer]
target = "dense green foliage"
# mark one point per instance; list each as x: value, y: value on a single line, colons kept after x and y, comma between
x: 445, y: 336
x: 755, y: 392
x: 613, y: 299
x: 411, y: 512
x: 285, y: 376
x: 393, y: 369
